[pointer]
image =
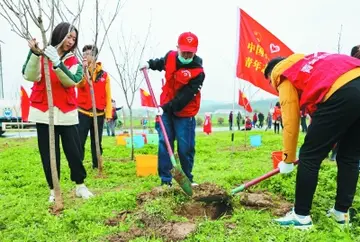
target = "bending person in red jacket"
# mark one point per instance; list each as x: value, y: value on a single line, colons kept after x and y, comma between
x: 328, y: 86
x: 180, y: 102
x: 65, y: 72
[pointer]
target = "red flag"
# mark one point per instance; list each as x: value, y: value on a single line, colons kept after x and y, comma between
x: 146, y: 99
x: 243, y: 101
x: 257, y: 46
x: 25, y: 104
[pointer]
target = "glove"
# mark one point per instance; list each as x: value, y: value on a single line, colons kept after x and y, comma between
x: 144, y: 65
x: 286, y: 167
x: 159, y: 111
x: 51, y: 52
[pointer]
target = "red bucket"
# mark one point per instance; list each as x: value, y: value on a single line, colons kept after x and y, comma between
x: 276, y: 158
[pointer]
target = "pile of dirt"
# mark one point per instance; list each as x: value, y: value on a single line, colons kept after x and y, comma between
x: 153, y: 225
x: 152, y: 195
x: 265, y: 201
x: 120, y: 217
x: 209, y: 201
x: 208, y: 192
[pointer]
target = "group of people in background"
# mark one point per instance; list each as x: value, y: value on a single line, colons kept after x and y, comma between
x: 273, y: 118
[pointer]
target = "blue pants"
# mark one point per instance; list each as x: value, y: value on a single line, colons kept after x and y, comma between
x: 182, y: 130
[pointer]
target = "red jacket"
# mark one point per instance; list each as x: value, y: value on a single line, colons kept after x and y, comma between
x: 175, y: 80
x: 99, y: 85
x: 248, y: 123
x: 314, y: 83
x: 63, y: 98
x: 277, y: 114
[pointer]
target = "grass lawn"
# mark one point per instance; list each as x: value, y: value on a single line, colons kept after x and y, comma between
x: 128, y: 207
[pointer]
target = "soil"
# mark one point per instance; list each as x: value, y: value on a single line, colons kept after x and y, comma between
x: 208, y: 202
x: 153, y: 194
x: 56, y: 209
x: 208, y: 192
x: 169, y: 231
x: 265, y: 201
x: 120, y: 217
x: 212, y: 211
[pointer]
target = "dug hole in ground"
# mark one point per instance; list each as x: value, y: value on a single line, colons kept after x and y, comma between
x: 170, y: 214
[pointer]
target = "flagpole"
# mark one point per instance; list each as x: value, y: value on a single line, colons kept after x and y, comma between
x: 237, y: 39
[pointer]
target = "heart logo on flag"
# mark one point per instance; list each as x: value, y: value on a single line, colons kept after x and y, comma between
x: 274, y: 48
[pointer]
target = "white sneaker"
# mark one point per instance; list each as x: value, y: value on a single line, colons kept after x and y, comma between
x: 52, y: 196
x: 292, y: 219
x: 83, y: 192
x: 194, y: 184
x: 343, y: 219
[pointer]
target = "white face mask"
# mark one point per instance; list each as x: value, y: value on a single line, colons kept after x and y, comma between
x: 184, y: 61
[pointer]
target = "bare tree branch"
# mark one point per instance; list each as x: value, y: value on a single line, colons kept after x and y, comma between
x: 109, y: 25
x: 339, y: 40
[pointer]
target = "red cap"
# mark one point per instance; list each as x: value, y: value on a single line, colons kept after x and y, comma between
x: 188, y: 42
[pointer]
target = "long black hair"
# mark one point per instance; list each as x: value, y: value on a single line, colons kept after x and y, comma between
x: 61, y: 31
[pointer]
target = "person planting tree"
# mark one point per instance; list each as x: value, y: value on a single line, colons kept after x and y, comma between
x: 328, y: 86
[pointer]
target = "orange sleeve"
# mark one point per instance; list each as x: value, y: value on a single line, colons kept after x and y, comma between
x: 290, y: 112
x: 108, y: 108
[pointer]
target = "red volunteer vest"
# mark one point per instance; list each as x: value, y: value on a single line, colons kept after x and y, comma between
x: 175, y: 80
x: 84, y: 98
x: 248, y: 124
x: 277, y: 113
x: 64, y: 98
x: 314, y: 75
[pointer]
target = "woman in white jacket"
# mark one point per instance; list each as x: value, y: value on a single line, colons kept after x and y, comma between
x: 65, y: 72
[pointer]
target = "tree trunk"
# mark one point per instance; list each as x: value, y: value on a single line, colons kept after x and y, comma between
x: 95, y: 126
x: 124, y: 118
x: 131, y: 134
x: 54, y: 173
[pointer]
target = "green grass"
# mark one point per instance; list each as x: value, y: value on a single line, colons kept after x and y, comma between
x: 24, y: 212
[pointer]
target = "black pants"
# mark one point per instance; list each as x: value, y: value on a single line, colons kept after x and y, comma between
x: 277, y: 127
x: 303, y: 124
x: 261, y: 124
x: 86, y: 123
x: 337, y: 119
x: 72, y: 149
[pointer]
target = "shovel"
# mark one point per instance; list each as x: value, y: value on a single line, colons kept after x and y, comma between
x: 176, y: 171
x: 257, y: 180
x: 225, y: 197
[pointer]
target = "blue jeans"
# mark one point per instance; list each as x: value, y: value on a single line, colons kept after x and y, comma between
x: 183, y: 131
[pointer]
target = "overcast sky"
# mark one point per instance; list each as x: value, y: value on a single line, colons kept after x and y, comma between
x: 305, y: 26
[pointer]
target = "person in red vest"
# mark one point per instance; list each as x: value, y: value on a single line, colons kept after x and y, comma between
x: 248, y: 124
x: 277, y: 117
x: 328, y: 86
x: 65, y: 72
x: 179, y: 103
x: 255, y: 119
x: 207, y: 124
x: 102, y: 92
